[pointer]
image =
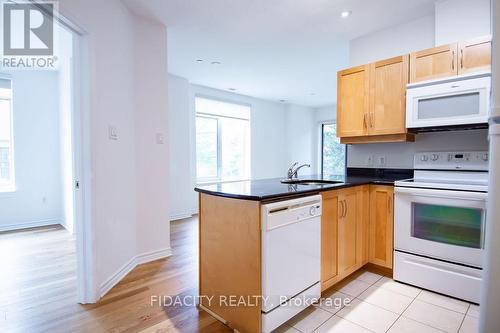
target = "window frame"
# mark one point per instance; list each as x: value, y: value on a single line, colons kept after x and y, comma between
x: 218, y: 178
x: 321, y: 146
x: 11, y: 185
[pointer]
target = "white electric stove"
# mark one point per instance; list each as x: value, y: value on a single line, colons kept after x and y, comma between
x: 439, y: 223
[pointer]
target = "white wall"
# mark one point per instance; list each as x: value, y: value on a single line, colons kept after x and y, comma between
x: 458, y: 20
x: 455, y: 20
x: 151, y: 130
x: 393, y: 41
x: 301, y: 132
x: 182, y: 181
x: 400, y: 155
x: 120, y: 223
x: 65, y: 94
x: 37, y: 199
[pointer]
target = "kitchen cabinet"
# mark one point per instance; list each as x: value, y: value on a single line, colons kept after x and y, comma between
x: 344, y: 233
x: 475, y: 55
x: 347, y: 231
x: 371, y: 102
x: 451, y: 60
x: 329, y: 225
x: 352, y: 101
x: 381, y: 225
x: 433, y: 63
x: 387, y: 112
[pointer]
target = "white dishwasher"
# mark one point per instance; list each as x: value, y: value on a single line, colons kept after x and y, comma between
x: 291, y: 267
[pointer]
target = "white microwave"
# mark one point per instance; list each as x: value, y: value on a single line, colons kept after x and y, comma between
x: 463, y: 100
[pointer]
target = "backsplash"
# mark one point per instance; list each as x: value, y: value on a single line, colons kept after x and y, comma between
x: 400, y: 155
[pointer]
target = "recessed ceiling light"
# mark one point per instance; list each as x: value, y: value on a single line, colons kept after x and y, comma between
x: 312, y: 94
x: 232, y: 89
x: 215, y: 62
x: 282, y: 100
x: 346, y: 13
x: 199, y: 60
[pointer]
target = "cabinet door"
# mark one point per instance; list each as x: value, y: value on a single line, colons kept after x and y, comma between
x: 381, y: 225
x: 362, y: 225
x: 388, y: 79
x: 475, y: 55
x: 347, y: 231
x: 433, y: 63
x: 352, y: 101
x: 329, y: 223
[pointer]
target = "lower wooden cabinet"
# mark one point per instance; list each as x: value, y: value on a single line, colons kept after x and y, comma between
x: 344, y: 233
x: 356, y: 228
x: 381, y: 225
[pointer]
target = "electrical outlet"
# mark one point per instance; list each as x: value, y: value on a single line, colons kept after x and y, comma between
x: 381, y: 160
x: 369, y: 160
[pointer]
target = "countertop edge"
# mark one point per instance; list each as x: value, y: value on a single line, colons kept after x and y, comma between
x: 290, y: 195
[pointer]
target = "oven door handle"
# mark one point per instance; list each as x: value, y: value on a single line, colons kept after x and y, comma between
x: 446, y: 194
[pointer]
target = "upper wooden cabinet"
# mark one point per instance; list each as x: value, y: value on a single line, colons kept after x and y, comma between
x: 381, y: 225
x: 475, y: 55
x: 451, y: 60
x: 371, y: 102
x: 433, y: 63
x: 352, y: 101
x: 388, y: 81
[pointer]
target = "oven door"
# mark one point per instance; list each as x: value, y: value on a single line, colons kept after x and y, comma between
x: 447, y: 104
x: 440, y: 224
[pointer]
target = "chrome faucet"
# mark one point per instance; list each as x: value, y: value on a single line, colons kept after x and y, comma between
x: 293, y: 173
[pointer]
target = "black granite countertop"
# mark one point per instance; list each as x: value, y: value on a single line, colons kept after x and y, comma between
x: 272, y: 189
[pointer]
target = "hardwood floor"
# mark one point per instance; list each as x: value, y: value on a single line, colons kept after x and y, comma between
x: 38, y: 287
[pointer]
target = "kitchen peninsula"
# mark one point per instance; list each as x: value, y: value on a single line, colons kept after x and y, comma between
x: 354, y: 227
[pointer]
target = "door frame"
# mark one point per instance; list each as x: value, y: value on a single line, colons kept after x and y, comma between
x: 87, y: 289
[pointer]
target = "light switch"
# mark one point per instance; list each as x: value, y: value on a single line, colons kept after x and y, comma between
x: 112, y: 133
x: 160, y: 138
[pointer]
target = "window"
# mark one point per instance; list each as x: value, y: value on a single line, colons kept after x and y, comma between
x: 6, y: 141
x: 333, y: 153
x: 222, y: 140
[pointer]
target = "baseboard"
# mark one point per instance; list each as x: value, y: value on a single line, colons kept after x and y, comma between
x: 183, y: 215
x: 152, y: 256
x: 130, y: 265
x: 31, y: 224
x: 68, y: 228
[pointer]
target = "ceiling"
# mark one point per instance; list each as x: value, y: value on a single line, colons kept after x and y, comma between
x: 271, y: 49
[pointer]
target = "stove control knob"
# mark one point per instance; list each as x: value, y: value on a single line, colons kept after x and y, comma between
x: 435, y: 157
x: 424, y: 158
x: 485, y: 157
x: 312, y: 211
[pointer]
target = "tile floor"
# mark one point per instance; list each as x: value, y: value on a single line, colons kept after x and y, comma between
x: 370, y: 302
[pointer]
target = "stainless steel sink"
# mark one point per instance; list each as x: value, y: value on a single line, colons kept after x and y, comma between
x: 309, y: 181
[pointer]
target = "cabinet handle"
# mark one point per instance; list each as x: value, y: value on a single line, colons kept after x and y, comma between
x: 345, y: 213
x: 461, y: 58
x: 452, y: 60
x: 364, y: 121
x: 341, y: 209
x: 371, y: 119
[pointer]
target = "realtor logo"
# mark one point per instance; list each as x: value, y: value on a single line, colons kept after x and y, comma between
x: 28, y: 29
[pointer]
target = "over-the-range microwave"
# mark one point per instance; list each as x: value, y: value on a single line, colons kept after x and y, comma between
x: 448, y: 103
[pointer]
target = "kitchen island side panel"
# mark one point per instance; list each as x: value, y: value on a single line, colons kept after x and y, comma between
x: 230, y: 260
